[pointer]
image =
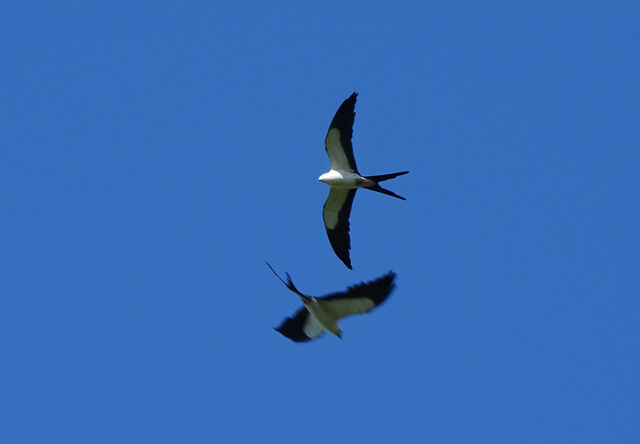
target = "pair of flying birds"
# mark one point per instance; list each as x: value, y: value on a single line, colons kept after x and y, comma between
x: 320, y: 314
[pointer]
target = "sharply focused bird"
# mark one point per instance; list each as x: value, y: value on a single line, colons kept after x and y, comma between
x: 344, y: 179
x: 320, y: 314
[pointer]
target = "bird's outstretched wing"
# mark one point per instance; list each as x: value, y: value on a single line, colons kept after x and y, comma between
x: 360, y: 298
x: 303, y: 326
x: 338, y: 140
x: 336, y: 212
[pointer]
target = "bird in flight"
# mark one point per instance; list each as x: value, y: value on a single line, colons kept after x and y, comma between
x: 323, y: 313
x: 344, y: 179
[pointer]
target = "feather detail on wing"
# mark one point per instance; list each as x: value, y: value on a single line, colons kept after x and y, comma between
x: 360, y: 298
x: 336, y: 212
x: 338, y: 140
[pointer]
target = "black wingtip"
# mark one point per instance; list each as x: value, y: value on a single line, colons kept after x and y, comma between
x: 382, y: 287
x: 344, y: 257
x: 379, y: 289
x: 293, y: 328
x: 350, y: 101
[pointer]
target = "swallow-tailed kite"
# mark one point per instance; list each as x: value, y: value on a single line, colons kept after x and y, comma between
x: 344, y: 179
x: 320, y: 314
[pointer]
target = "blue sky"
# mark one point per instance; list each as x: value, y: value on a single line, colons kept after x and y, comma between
x: 155, y: 154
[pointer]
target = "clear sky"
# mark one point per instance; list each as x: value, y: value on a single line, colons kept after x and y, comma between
x: 154, y: 154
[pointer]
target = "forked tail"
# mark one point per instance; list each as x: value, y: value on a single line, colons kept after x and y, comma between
x: 382, y: 178
x: 288, y: 282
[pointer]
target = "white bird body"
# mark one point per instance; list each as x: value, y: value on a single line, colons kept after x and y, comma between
x: 344, y: 179
x: 327, y: 317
